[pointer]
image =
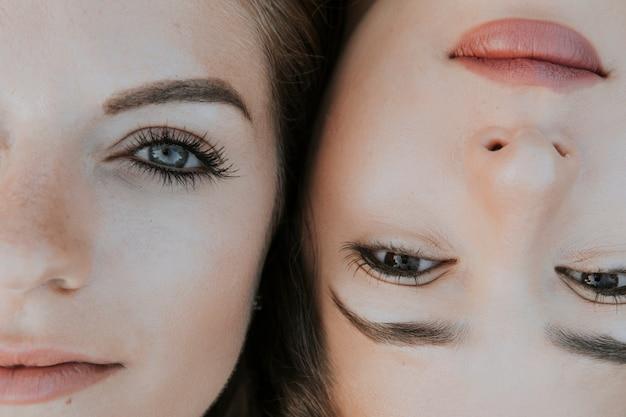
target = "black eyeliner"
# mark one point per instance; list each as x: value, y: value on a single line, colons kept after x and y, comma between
x: 616, y: 293
x: 360, y: 256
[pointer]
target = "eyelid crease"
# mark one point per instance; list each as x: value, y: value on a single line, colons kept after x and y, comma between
x: 434, y: 333
x: 597, y: 346
x: 163, y: 127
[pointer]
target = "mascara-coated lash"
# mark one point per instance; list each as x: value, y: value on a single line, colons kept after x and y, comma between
x: 214, y: 164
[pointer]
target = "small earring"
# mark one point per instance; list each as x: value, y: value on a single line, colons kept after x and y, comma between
x: 257, y: 304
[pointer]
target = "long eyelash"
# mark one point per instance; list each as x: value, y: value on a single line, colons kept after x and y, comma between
x: 215, y: 164
x: 598, y: 295
x: 359, y: 262
x: 358, y: 259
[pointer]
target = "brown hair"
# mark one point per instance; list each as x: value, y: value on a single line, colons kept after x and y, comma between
x: 301, y: 38
x: 286, y: 339
x: 289, y: 329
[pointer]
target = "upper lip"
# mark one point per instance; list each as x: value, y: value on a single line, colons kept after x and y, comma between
x: 529, y: 39
x: 43, y: 357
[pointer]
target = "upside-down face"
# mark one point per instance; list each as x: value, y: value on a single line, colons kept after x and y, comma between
x: 467, y: 200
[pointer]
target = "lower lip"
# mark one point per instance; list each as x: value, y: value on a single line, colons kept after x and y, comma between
x: 28, y: 385
x: 530, y: 72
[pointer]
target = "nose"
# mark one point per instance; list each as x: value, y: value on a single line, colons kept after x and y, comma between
x: 41, y: 241
x: 519, y: 173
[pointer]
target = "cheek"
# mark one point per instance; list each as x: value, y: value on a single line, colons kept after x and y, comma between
x: 181, y: 273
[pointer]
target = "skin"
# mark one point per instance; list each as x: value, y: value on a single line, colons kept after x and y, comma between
x: 403, y: 161
x: 101, y: 258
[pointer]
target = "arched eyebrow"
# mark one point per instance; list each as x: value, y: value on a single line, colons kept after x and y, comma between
x: 597, y: 346
x: 204, y: 90
x: 403, y: 333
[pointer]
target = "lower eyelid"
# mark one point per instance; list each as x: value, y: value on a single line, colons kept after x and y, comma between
x: 422, y: 279
x: 592, y: 296
x: 186, y: 180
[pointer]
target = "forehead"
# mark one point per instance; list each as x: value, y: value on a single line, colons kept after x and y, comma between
x: 400, y: 114
x: 71, y: 51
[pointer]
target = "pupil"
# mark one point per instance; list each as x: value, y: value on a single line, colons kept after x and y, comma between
x: 169, y: 155
x: 402, y: 262
x: 602, y: 281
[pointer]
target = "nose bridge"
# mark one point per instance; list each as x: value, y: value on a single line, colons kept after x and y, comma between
x: 519, y: 176
x: 506, y: 288
x: 40, y: 241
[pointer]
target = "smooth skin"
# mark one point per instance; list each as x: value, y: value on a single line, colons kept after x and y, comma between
x: 100, y: 257
x: 404, y: 166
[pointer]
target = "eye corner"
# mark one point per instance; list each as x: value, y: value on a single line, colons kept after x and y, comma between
x: 561, y: 270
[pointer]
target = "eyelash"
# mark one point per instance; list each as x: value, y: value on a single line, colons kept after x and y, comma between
x: 214, y: 163
x: 596, y: 295
x: 360, y: 257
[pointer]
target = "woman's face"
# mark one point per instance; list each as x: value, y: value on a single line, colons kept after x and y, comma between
x: 138, y: 179
x: 468, y: 190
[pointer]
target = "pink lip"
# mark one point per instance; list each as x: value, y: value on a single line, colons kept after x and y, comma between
x: 28, y: 377
x: 530, y: 52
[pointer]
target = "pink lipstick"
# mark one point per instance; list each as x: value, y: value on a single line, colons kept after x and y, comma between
x: 41, y: 375
x: 530, y: 52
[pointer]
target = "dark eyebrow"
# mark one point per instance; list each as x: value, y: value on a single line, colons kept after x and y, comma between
x: 402, y: 334
x: 596, y: 346
x: 204, y: 90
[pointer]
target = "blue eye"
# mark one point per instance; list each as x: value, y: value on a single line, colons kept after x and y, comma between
x: 176, y: 156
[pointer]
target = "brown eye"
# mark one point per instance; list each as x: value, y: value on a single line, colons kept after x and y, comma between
x: 601, y: 287
x: 397, y: 267
x: 403, y: 262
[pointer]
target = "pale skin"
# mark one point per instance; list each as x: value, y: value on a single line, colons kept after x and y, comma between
x: 100, y: 257
x: 403, y: 166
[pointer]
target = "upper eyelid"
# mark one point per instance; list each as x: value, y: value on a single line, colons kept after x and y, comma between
x: 184, y: 130
x: 597, y: 295
x: 124, y: 150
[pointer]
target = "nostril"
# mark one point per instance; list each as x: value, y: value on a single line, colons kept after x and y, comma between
x: 561, y: 150
x: 495, y: 145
